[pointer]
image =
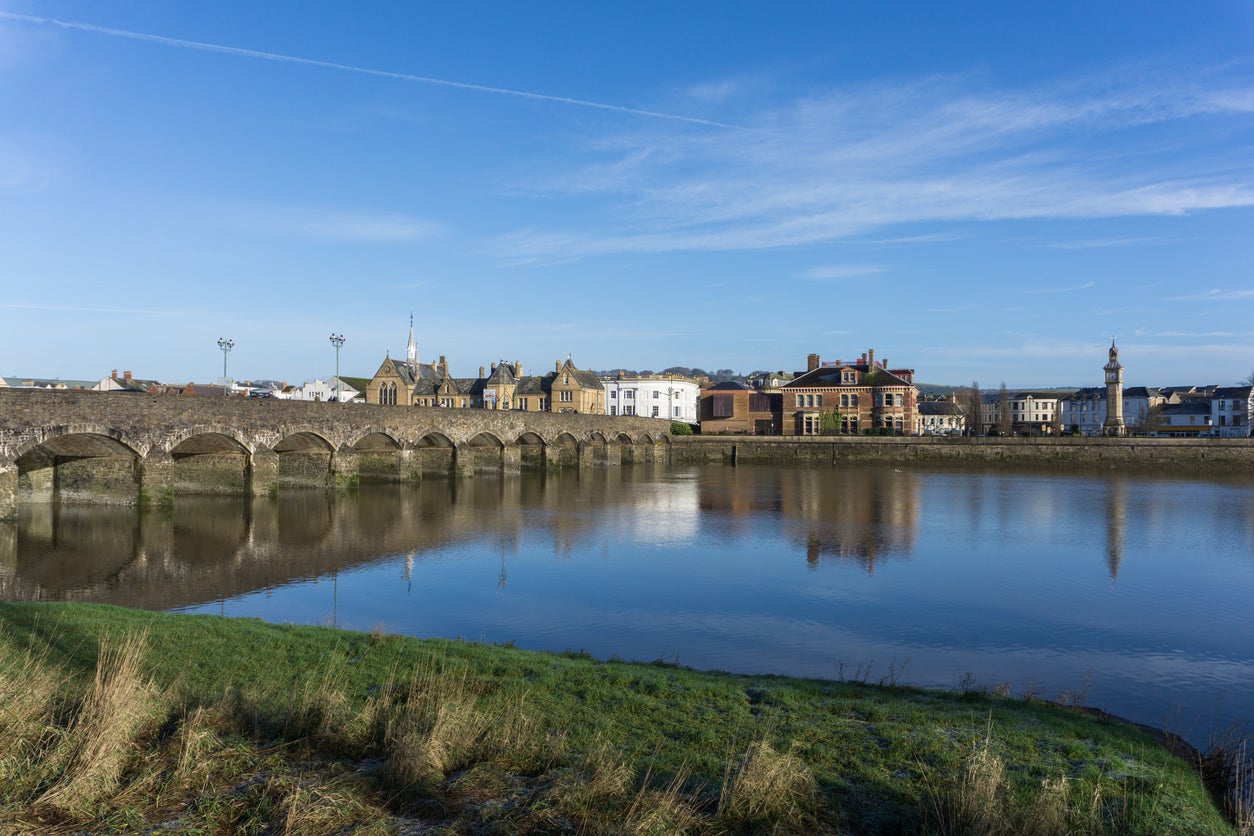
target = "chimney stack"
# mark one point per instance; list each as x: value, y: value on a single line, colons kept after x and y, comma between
x: 126, y: 375
x: 812, y: 362
x: 557, y: 365
x: 870, y: 359
x: 481, y: 371
x: 114, y: 374
x: 518, y: 368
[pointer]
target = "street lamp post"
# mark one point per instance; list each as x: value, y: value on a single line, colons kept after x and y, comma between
x: 226, y: 345
x: 337, y: 340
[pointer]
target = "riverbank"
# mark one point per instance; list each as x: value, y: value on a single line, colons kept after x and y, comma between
x: 1207, y: 457
x: 121, y: 720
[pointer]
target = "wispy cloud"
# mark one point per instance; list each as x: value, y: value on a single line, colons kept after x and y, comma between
x: 338, y: 226
x: 1191, y: 334
x: 1101, y: 243
x: 1071, y: 289
x: 332, y: 65
x: 86, y: 309
x: 857, y: 160
x: 833, y: 272
x: 1217, y: 295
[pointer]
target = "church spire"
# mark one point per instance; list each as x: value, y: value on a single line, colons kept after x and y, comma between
x: 411, y: 350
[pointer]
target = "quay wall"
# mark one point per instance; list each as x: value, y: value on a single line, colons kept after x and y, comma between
x: 1184, y: 456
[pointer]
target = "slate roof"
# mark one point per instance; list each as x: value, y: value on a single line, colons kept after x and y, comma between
x: 730, y: 386
x: 1231, y: 392
x: 831, y: 376
x: 938, y: 408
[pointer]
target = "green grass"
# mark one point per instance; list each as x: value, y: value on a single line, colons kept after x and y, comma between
x: 234, y: 725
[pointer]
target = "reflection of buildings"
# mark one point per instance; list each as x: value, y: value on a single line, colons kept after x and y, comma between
x: 211, y: 548
x: 862, y: 515
x: 1116, y: 521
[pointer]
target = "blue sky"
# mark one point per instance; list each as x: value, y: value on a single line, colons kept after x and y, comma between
x: 980, y: 191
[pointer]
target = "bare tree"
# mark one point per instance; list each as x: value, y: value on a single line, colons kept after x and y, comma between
x: 972, y: 404
x: 1249, y: 381
x: 1005, y: 420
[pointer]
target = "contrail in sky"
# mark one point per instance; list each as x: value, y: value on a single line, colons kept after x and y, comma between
x: 331, y: 65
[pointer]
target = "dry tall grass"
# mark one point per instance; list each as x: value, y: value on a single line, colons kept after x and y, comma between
x: 86, y: 763
x: 433, y: 726
x: 27, y: 687
x: 765, y: 785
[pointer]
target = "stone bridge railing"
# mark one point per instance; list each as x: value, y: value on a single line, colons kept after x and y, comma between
x: 125, y: 448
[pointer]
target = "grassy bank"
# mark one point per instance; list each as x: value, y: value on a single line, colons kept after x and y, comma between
x: 123, y: 720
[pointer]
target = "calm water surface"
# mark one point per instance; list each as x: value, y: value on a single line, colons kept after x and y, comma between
x: 1138, y: 591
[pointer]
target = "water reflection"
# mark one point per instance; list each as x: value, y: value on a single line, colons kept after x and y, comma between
x: 1022, y: 577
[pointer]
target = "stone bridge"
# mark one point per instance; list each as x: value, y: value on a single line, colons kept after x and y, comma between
x: 136, y: 448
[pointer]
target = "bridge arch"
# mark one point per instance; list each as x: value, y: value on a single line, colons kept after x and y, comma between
x: 434, y: 452
x: 531, y: 450
x: 79, y: 463
x: 304, y: 459
x: 484, y: 451
x: 206, y: 460
x: 378, y: 456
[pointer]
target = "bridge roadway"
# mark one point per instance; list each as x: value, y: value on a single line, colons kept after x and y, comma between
x: 135, y: 448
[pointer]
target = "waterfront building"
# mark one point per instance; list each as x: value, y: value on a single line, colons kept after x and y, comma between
x: 939, y: 417
x: 345, y: 389
x: 1188, y: 419
x: 848, y: 398
x: 652, y: 396
x: 734, y: 408
x: 1232, y: 411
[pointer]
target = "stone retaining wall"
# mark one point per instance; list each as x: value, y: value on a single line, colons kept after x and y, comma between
x: 1218, y: 456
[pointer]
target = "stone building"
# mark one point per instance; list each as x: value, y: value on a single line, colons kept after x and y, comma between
x: 411, y: 383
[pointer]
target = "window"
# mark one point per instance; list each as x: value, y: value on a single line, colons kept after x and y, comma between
x: 818, y: 400
x: 676, y: 412
x: 656, y: 394
x: 629, y: 394
x: 655, y: 409
x: 613, y: 410
x: 522, y: 404
x: 542, y: 404
x: 629, y: 410
x: 567, y: 396
x: 801, y: 400
x: 565, y: 380
x: 613, y: 394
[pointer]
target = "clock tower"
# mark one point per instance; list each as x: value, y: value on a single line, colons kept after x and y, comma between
x: 1114, y: 393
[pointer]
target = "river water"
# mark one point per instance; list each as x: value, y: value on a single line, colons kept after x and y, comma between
x: 1135, y: 595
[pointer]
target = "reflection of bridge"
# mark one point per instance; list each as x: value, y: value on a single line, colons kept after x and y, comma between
x: 127, y: 448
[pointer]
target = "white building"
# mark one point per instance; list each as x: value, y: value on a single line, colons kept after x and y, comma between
x: 1232, y: 409
x: 939, y: 418
x: 325, y: 390
x: 652, y: 397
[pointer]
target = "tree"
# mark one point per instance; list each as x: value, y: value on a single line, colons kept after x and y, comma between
x: 1249, y: 381
x: 973, y: 405
x: 1005, y: 420
x: 829, y: 423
